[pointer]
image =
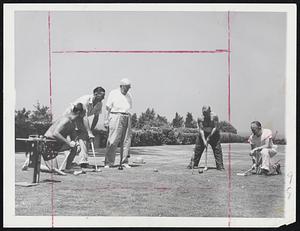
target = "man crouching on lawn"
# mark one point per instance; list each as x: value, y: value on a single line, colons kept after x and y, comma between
x: 59, y: 131
x: 263, y: 150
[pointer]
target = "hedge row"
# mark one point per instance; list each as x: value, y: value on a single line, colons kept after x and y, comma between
x: 23, y: 130
x: 168, y: 136
x: 142, y: 137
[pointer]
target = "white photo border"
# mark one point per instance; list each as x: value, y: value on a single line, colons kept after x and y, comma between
x: 11, y: 220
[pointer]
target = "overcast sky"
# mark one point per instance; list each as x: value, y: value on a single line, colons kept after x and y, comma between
x: 168, y: 83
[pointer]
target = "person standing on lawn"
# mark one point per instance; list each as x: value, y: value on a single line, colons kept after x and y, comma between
x: 208, y: 134
x: 118, y: 121
x: 92, y: 104
x: 263, y: 150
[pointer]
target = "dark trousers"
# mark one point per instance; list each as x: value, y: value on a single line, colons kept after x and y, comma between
x: 215, y: 144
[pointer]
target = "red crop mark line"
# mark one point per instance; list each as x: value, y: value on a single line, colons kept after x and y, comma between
x: 229, y: 117
x: 50, y: 89
x: 143, y: 51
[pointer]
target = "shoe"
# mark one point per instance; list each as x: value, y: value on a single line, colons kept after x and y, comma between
x: 278, y: 169
x: 76, y: 173
x: 68, y: 171
x: 190, y: 167
x: 106, y: 166
x: 59, y: 172
x: 264, y: 172
x: 221, y: 169
x: 84, y: 165
x: 126, y: 165
x: 74, y: 164
x: 200, y: 171
x: 24, y: 168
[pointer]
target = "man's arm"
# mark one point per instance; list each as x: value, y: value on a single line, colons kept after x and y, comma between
x: 95, y: 121
x: 87, y: 126
x: 56, y: 133
x: 216, y: 126
x: 200, y: 127
x: 107, y: 116
x: 266, y: 145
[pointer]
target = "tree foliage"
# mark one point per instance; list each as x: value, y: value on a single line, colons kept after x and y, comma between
x: 41, y: 114
x: 189, y: 121
x: 151, y: 119
x: 22, y: 115
x: 177, y: 122
x: 29, y: 122
x: 134, y: 120
x: 225, y: 126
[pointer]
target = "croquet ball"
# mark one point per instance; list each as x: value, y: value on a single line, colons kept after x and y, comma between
x: 155, y: 170
x: 139, y: 160
x: 200, y: 171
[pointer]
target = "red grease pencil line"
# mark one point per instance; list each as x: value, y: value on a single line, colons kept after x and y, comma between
x: 50, y: 84
x: 229, y: 212
x: 143, y: 51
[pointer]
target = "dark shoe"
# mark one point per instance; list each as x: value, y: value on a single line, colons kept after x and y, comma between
x: 264, y: 172
x: 200, y: 171
x: 68, y: 171
x: 189, y: 167
x: 277, y: 167
x: 84, y: 165
x: 221, y: 168
x: 25, y: 168
x: 74, y: 164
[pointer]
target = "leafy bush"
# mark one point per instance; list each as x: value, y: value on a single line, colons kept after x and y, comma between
x: 23, y: 130
x: 227, y: 137
x: 225, y: 126
x: 34, y: 122
x: 152, y: 136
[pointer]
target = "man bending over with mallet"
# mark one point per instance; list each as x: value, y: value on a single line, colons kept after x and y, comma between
x: 208, y: 134
x: 92, y: 104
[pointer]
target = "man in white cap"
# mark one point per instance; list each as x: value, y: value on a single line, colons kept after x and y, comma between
x: 118, y: 121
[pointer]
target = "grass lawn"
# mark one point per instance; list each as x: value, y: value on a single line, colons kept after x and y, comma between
x: 169, y: 192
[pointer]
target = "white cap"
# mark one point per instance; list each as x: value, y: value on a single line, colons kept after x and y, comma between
x: 125, y: 82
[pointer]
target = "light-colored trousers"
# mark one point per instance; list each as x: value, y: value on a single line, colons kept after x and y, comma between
x: 267, y: 155
x: 119, y: 133
x: 79, y: 134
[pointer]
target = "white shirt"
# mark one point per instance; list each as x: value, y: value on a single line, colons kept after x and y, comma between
x: 258, y: 141
x: 87, y: 102
x: 118, y: 102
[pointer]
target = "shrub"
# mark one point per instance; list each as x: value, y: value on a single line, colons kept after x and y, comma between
x: 24, y: 129
x: 232, y: 138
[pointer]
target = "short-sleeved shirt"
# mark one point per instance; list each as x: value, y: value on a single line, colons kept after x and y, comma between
x: 207, y: 125
x: 258, y: 141
x: 118, y: 102
x: 87, y: 102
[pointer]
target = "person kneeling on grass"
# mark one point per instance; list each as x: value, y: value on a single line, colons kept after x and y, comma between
x: 263, y: 150
x: 59, y: 131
